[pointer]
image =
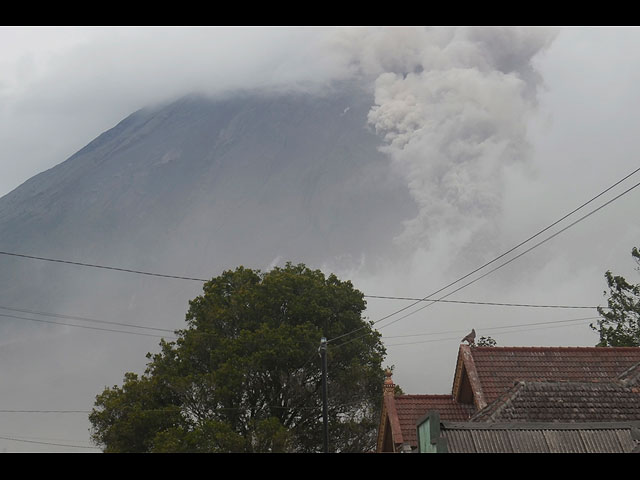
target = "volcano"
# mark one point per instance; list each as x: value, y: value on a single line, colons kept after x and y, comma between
x: 189, y: 188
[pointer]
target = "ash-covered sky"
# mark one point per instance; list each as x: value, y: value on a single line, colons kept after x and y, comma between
x: 498, y: 132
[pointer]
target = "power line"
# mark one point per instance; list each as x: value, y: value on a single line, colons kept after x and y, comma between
x: 495, y: 328
x: 105, y: 267
x: 550, y: 322
x: 48, y: 443
x: 504, y: 254
x: 481, y: 303
x: 45, y: 411
x: 72, y: 317
x: 81, y: 326
x: 527, y: 240
x: 179, y: 277
x: 519, y: 255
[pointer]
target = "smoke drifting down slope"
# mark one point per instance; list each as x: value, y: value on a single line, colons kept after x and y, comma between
x: 407, y: 165
x: 454, y: 115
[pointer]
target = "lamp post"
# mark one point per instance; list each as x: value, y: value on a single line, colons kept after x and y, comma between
x: 323, y: 356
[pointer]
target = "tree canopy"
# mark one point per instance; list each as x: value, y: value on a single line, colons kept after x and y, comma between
x: 620, y: 323
x: 486, y: 342
x: 245, y: 373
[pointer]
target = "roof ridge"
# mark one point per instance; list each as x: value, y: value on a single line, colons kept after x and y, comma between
x: 603, y: 349
x: 631, y: 376
x: 423, y: 395
x: 500, y: 403
x: 572, y: 381
x: 589, y: 425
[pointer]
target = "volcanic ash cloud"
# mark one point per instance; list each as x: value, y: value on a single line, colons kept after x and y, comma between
x: 453, y: 112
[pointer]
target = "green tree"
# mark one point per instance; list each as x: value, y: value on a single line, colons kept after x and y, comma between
x: 245, y: 374
x: 486, y: 342
x: 620, y: 323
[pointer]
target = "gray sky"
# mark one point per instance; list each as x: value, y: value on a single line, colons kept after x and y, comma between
x: 514, y: 129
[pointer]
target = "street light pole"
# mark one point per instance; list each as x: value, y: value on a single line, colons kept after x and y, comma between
x: 323, y: 356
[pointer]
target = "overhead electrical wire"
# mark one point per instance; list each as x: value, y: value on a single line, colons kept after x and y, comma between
x: 81, y: 326
x: 519, y: 255
x: 528, y: 239
x: 105, y: 267
x: 503, y: 255
x: 549, y: 322
x: 482, y: 303
x: 314, y: 407
x: 490, y: 271
x: 73, y: 317
x: 493, y: 328
x: 85, y: 319
x: 13, y: 439
x: 196, y: 279
x: 45, y: 411
x: 426, y: 298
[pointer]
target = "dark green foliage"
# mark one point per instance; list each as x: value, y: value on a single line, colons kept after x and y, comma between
x: 486, y: 342
x: 245, y: 375
x: 620, y: 323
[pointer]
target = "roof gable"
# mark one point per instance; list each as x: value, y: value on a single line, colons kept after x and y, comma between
x: 467, y: 388
x: 491, y: 371
x: 389, y: 431
x: 400, y: 413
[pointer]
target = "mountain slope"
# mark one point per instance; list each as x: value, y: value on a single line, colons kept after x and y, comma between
x: 189, y: 188
x: 247, y: 178
x: 196, y: 186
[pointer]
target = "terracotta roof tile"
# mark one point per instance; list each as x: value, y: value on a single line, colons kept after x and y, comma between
x: 564, y: 402
x: 499, y: 367
x: 569, y: 384
x: 411, y: 407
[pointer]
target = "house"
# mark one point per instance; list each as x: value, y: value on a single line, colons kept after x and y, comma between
x: 484, y: 373
x: 397, y: 431
x: 523, y: 384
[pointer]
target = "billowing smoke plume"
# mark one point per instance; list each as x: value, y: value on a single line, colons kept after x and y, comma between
x: 453, y: 109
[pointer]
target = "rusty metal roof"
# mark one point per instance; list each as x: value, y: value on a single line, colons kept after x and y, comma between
x: 539, y: 437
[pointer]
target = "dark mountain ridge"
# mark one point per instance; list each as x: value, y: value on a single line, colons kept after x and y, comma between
x: 199, y: 184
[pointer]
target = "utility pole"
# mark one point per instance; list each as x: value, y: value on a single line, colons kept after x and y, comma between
x: 323, y: 356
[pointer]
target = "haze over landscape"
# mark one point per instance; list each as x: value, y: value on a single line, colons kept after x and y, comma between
x: 401, y: 159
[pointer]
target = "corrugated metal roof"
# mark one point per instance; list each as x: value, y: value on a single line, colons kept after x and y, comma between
x: 592, y: 437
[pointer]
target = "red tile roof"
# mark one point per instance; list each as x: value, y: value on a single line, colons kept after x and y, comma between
x: 631, y: 376
x: 411, y: 407
x: 484, y: 374
x: 498, y: 368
